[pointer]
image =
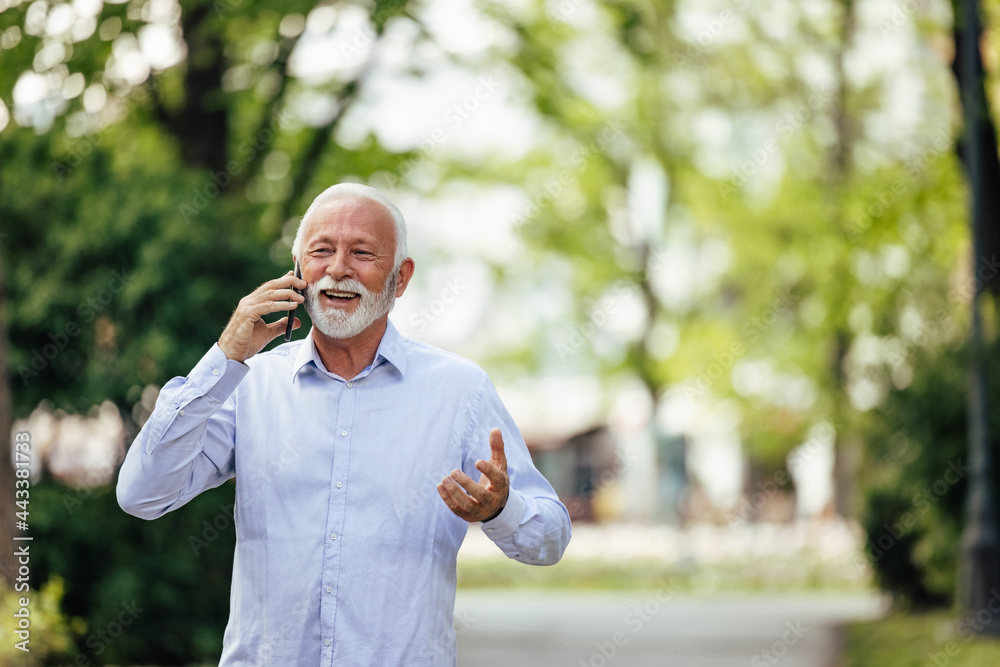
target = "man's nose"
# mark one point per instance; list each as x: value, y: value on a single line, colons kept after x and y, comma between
x: 340, y: 266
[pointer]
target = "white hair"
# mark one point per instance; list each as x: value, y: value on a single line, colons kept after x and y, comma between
x: 360, y: 192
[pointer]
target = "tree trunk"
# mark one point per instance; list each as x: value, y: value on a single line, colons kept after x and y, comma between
x: 846, y: 462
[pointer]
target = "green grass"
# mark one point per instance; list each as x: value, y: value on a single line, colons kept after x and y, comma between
x: 602, y: 575
x: 935, y: 639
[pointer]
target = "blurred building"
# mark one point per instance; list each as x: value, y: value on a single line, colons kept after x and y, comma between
x: 689, y: 466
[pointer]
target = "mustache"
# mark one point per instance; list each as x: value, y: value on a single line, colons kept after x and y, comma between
x: 346, y: 285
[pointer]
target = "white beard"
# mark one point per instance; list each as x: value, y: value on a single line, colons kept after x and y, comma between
x: 336, y: 323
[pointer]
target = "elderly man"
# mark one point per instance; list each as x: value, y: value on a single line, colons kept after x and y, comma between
x: 359, y: 457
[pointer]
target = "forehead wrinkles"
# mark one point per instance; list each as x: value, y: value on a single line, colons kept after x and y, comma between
x: 353, y: 219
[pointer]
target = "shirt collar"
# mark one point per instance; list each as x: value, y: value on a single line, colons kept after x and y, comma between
x: 390, y: 349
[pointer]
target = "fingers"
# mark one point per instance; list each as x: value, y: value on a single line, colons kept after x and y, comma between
x: 275, y: 299
x: 264, y: 302
x: 474, y: 501
x: 474, y: 489
x: 479, y: 501
x: 287, y: 281
x: 467, y: 499
x: 497, y: 456
x: 274, y: 295
x: 257, y: 311
x: 247, y: 333
x: 457, y: 500
x: 286, y: 294
x: 494, y: 473
x: 496, y: 477
x: 278, y: 290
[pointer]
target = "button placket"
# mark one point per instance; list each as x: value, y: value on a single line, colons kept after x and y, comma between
x: 342, y: 432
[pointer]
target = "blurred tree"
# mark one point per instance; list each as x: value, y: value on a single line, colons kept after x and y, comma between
x: 213, y: 102
x: 7, y: 507
x: 980, y: 542
x: 136, y: 591
x: 915, y: 476
x: 732, y: 173
x: 151, y: 154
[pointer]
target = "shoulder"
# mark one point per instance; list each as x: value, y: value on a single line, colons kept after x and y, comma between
x: 426, y: 360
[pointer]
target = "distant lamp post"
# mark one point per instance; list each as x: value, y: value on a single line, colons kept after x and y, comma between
x: 980, y: 559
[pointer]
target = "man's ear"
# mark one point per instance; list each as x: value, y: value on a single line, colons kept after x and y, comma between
x: 405, y: 273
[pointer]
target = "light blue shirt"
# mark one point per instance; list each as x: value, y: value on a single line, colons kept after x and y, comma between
x: 345, y: 552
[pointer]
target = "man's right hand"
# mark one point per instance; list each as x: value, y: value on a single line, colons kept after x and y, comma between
x: 247, y: 333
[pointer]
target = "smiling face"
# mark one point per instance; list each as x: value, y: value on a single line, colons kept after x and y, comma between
x: 347, y: 260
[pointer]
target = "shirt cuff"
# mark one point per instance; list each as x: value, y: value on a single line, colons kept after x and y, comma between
x: 509, y: 520
x: 217, y: 375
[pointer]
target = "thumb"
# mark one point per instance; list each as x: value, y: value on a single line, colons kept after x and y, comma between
x: 497, y: 455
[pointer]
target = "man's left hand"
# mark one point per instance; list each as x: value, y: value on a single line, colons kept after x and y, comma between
x: 484, y: 500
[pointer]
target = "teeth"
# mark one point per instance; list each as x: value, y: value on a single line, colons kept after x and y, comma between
x: 346, y: 295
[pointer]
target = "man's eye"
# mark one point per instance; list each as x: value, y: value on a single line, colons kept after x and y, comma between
x: 321, y: 251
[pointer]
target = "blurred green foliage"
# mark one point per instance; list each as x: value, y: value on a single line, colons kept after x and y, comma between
x: 131, y: 590
x: 915, y: 477
x: 49, y: 635
x: 124, y: 290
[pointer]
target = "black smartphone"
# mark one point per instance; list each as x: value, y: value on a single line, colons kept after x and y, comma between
x: 291, y: 313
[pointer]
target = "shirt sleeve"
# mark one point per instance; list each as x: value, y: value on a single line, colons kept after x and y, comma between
x: 534, y: 526
x: 188, y: 443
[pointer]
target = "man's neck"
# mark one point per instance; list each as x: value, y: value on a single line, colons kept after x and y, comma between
x: 347, y: 357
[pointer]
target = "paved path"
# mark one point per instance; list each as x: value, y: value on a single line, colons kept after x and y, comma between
x: 635, y: 629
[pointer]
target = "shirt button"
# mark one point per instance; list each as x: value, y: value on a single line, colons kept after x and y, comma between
x: 181, y: 413
x: 215, y: 371
x: 333, y: 536
x: 326, y: 642
x: 329, y: 589
x: 489, y: 530
x: 349, y: 385
x: 339, y: 484
x: 343, y: 433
